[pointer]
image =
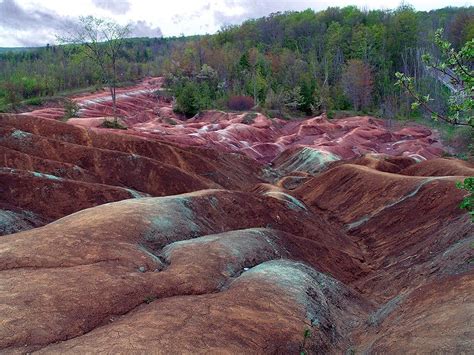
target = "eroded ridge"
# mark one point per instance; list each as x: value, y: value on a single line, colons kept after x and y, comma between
x: 126, y: 242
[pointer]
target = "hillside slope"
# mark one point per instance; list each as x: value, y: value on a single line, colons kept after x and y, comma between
x: 126, y: 241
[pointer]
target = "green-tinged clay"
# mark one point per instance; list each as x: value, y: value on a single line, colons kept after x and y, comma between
x: 308, y: 160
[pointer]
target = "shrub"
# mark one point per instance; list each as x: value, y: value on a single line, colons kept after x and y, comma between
x: 71, y: 109
x: 170, y: 121
x: 35, y: 101
x: 187, y: 100
x: 240, y: 103
x: 249, y: 118
x: 112, y: 124
x: 13, y: 93
x: 468, y: 201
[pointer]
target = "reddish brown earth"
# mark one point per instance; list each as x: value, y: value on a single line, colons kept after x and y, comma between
x: 255, y: 135
x: 181, y: 241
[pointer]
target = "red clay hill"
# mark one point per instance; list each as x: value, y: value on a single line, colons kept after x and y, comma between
x: 229, y: 233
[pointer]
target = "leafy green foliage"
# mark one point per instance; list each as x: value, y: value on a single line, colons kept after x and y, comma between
x: 295, y: 62
x: 468, y: 201
x: 455, y: 66
x: 188, y: 99
x: 53, y: 70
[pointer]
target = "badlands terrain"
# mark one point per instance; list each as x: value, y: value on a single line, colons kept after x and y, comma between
x: 229, y: 233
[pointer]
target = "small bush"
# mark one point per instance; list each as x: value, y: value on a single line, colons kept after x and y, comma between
x: 187, y: 100
x: 240, y: 103
x: 170, y: 121
x: 149, y: 299
x: 71, y: 109
x: 115, y: 124
x: 249, y: 118
x: 35, y: 101
x: 468, y: 201
x: 13, y: 93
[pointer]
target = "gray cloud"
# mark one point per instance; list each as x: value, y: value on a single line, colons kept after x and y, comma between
x: 118, y: 7
x: 15, y: 17
x: 33, y: 27
x: 143, y: 29
x: 38, y: 27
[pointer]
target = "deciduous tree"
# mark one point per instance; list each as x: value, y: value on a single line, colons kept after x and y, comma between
x: 102, y: 41
x: 357, y: 81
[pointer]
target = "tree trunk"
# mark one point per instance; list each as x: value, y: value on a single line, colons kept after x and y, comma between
x: 114, y: 107
x: 114, y: 85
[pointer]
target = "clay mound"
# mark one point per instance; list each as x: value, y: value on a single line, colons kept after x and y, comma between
x: 350, y: 191
x: 13, y: 220
x: 167, y: 268
x: 238, y: 266
x: 164, y: 251
x: 47, y: 164
x: 397, y: 219
x: 420, y: 317
x: 250, y: 133
x: 385, y: 163
x: 440, y: 167
x: 303, y: 159
x: 268, y: 140
x: 134, y: 103
x: 344, y: 234
x: 50, y: 197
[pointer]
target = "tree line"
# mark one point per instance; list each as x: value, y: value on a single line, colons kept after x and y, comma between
x: 336, y: 59
x: 37, y: 73
x: 285, y: 63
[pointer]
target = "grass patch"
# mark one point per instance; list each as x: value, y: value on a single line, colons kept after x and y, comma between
x: 34, y: 101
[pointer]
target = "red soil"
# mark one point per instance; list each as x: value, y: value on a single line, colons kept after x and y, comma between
x: 158, y: 245
x: 254, y: 135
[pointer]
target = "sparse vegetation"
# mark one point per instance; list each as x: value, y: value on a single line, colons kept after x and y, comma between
x: 306, y: 337
x: 468, y: 201
x: 114, y: 124
x: 249, y: 118
x: 149, y: 299
x: 101, y: 41
x: 71, y: 109
x: 170, y: 121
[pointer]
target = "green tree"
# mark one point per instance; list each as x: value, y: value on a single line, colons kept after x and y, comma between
x: 102, y: 41
x: 358, y: 83
x: 187, y: 99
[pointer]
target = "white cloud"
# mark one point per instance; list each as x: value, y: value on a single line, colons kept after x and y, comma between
x: 114, y: 6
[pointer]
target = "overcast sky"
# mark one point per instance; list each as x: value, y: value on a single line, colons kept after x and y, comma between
x: 36, y: 22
